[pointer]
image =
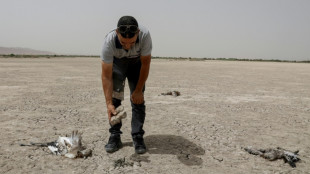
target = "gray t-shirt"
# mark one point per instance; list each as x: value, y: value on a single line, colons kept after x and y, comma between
x: 113, y: 49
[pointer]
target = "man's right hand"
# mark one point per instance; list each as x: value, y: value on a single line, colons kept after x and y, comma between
x: 111, y: 111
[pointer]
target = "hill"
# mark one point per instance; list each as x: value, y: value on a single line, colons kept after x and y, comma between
x: 27, y: 51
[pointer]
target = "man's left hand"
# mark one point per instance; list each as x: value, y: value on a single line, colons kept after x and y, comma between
x: 137, y: 97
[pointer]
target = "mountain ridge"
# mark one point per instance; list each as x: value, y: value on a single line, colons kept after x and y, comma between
x: 21, y: 51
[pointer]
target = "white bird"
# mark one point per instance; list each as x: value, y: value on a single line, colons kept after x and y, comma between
x: 120, y: 114
x: 70, y: 147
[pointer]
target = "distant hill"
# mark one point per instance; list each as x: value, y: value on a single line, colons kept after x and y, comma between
x: 27, y: 51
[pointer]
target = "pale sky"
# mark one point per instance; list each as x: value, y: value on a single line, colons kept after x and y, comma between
x: 255, y: 29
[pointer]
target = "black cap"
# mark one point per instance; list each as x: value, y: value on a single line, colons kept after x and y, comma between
x: 127, y: 20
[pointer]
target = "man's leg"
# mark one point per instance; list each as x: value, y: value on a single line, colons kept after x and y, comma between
x: 138, y: 110
x: 138, y: 117
x: 119, y: 76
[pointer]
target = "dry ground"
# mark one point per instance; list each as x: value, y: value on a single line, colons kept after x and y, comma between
x: 224, y: 105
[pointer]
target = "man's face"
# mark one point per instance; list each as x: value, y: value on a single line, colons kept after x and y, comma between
x: 127, y: 43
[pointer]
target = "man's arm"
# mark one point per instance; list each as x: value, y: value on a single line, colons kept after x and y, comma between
x: 137, y: 96
x: 107, y: 84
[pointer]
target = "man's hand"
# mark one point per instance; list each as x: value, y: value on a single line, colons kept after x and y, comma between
x: 137, y: 97
x: 111, y: 111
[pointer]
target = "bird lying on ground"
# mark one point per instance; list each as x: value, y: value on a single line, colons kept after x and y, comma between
x: 173, y: 93
x: 272, y: 154
x: 70, y: 147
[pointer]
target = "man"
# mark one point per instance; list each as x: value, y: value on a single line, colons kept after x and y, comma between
x: 126, y: 53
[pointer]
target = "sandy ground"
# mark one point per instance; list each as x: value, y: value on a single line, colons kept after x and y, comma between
x: 224, y: 105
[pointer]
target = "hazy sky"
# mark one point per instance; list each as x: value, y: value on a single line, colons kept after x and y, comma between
x: 267, y: 29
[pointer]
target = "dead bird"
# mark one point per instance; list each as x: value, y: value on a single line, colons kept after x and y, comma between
x: 120, y: 114
x: 272, y: 154
x: 173, y: 93
x: 70, y: 147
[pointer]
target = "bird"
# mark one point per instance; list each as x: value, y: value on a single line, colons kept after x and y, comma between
x: 120, y: 114
x: 68, y: 146
x: 272, y: 154
x: 173, y: 93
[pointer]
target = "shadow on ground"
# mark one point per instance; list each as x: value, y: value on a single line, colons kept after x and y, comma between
x: 187, y: 152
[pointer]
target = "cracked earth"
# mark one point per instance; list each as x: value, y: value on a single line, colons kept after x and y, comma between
x: 223, y: 106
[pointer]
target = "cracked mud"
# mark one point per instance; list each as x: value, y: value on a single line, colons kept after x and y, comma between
x: 225, y: 105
